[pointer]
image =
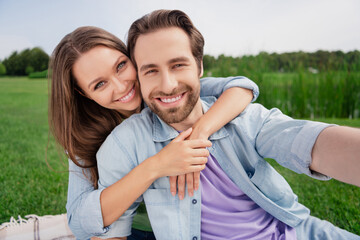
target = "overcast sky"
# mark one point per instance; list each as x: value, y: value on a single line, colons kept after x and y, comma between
x: 230, y: 27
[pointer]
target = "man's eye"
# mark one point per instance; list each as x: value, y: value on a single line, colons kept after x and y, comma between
x: 99, y: 84
x: 178, y: 65
x: 150, y: 71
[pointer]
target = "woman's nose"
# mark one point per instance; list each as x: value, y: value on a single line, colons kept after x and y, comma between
x: 120, y: 86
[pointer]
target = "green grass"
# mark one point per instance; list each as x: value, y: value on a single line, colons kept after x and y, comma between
x: 29, y: 186
x: 307, y: 95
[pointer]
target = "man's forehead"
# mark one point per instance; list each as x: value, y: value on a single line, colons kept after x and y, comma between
x: 169, y: 36
x: 167, y: 42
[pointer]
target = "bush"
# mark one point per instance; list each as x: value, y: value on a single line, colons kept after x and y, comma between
x: 2, y: 69
x: 42, y: 74
x: 29, y: 70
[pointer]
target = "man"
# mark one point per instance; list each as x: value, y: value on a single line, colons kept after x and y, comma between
x: 242, y: 196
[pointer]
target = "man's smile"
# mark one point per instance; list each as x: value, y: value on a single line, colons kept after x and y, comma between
x: 171, y: 101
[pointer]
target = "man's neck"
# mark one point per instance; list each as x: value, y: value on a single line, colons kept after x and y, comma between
x: 187, y: 123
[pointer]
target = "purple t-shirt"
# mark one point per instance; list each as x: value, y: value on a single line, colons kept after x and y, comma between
x: 228, y: 213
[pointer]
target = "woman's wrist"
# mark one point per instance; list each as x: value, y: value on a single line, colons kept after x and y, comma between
x: 152, y: 168
x: 201, y: 129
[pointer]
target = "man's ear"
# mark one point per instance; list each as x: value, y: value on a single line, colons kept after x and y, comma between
x: 201, y: 69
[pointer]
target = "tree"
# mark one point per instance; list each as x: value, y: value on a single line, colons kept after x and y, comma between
x: 39, y: 59
x: 27, y: 61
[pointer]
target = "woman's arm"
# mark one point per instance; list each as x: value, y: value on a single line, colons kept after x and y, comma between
x: 214, y: 87
x: 235, y: 94
x: 83, y: 204
x: 90, y: 211
x: 177, y: 157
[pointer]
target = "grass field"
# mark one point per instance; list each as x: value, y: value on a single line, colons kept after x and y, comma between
x: 29, y: 186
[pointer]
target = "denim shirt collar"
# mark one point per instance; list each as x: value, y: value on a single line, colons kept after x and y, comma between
x: 163, y: 132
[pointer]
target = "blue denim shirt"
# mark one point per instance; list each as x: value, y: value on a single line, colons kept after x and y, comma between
x: 83, y: 203
x: 240, y: 148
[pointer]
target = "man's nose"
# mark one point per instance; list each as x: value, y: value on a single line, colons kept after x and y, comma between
x: 168, y: 82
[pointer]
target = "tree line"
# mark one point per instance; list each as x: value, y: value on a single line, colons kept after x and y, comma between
x: 25, y: 62
x: 36, y: 60
x: 283, y: 62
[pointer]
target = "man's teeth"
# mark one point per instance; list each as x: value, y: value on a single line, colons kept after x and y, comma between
x: 170, y: 100
x: 128, y: 96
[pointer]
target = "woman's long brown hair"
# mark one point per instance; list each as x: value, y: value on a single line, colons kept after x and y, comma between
x: 78, y: 123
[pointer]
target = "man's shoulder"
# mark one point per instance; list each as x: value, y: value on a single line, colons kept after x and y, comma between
x: 128, y: 135
x: 132, y: 130
x: 254, y: 110
x: 136, y: 122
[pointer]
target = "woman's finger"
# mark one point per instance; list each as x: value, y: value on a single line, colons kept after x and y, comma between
x: 172, y: 180
x: 199, y: 143
x: 196, y: 180
x: 183, y: 135
x: 181, y: 186
x: 190, y: 183
x: 200, y: 152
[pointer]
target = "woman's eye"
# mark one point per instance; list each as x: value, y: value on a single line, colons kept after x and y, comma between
x: 120, y: 65
x: 99, y: 84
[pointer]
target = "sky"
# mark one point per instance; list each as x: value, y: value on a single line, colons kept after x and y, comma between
x: 230, y: 27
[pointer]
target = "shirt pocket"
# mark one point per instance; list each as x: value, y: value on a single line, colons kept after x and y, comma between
x: 160, y: 197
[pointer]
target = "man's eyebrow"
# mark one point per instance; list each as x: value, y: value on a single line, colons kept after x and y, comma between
x: 147, y: 66
x: 178, y: 59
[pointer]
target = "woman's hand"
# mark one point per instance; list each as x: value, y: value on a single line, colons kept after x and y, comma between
x: 207, y: 125
x: 192, y: 179
x: 182, y: 156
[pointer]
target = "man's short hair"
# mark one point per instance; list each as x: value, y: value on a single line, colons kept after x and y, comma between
x: 165, y: 19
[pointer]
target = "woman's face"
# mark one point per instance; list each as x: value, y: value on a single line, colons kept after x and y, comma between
x: 108, y: 77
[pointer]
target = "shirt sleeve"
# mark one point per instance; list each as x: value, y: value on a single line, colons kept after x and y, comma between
x: 211, y: 86
x: 286, y: 140
x: 113, y: 164
x: 83, y: 204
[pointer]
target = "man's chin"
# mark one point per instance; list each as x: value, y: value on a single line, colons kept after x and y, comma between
x: 171, y: 116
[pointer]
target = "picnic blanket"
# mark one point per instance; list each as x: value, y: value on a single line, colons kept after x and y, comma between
x: 35, y: 227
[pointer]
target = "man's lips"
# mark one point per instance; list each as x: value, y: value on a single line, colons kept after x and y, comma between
x: 171, y: 100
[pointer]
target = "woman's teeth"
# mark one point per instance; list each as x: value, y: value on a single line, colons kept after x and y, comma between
x: 124, y: 99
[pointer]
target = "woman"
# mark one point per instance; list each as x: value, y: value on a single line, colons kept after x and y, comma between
x: 93, y: 88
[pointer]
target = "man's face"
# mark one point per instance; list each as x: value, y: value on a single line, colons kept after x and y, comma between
x: 168, y: 73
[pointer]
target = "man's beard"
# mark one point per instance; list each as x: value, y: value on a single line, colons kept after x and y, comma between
x: 176, y: 114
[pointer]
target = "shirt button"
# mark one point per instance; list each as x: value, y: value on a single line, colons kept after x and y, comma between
x: 194, y: 238
x: 194, y: 201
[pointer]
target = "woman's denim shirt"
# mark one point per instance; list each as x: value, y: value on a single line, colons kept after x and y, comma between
x: 240, y: 148
x: 83, y: 204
